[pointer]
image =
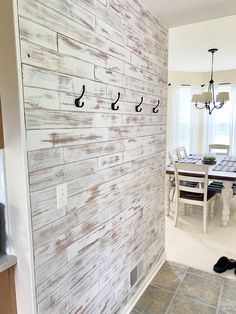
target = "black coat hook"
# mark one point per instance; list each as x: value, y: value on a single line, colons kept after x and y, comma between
x: 154, y: 110
x: 137, y: 109
x: 77, y: 100
x: 115, y: 102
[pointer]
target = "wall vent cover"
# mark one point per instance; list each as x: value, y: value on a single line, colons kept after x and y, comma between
x: 136, y: 273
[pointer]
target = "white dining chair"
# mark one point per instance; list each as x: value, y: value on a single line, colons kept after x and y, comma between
x: 181, y: 152
x: 173, y: 157
x: 220, y: 149
x: 193, y: 194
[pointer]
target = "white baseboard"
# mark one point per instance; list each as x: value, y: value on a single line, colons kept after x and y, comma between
x: 130, y: 305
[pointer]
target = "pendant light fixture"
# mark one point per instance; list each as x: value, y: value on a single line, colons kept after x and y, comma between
x: 209, y: 100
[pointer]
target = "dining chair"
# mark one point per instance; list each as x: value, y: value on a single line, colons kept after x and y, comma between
x: 220, y: 149
x: 193, y: 194
x: 181, y: 152
x: 173, y: 157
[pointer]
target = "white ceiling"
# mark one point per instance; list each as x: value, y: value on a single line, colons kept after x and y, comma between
x: 180, y: 12
x: 196, y: 26
x: 189, y: 44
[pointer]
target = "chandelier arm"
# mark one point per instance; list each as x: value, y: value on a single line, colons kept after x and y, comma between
x: 199, y: 106
x: 211, y: 109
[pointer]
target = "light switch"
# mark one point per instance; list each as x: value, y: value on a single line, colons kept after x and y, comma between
x: 62, y: 195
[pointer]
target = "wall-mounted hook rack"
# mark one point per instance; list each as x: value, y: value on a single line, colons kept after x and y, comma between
x: 155, y: 110
x: 77, y: 100
x: 113, y: 105
x: 137, y: 109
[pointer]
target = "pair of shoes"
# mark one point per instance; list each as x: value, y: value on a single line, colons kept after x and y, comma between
x: 223, y: 264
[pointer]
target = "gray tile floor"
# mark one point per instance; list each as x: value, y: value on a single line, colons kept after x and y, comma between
x: 178, y: 289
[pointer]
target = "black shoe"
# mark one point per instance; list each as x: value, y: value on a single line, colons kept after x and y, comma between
x: 224, y: 264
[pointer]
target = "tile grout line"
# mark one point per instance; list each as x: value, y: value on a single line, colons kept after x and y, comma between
x: 208, y: 273
x: 176, y: 291
x: 220, y: 296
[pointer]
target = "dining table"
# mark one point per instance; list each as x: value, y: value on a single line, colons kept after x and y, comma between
x: 223, y: 170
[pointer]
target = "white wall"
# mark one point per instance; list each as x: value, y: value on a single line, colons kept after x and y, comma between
x: 189, y: 44
x: 16, y: 181
x: 198, y: 78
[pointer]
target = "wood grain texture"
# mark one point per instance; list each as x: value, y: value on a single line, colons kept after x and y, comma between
x: 7, y: 295
x: 113, y: 162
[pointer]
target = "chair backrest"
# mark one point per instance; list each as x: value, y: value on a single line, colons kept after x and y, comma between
x: 220, y: 149
x: 192, y: 178
x: 173, y: 156
x: 181, y: 152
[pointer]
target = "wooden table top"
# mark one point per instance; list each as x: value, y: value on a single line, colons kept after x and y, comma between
x: 212, y: 174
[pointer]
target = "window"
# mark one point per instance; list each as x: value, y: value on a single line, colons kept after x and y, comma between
x: 195, y: 129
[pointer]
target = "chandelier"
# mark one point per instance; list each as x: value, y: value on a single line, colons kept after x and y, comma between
x: 207, y: 99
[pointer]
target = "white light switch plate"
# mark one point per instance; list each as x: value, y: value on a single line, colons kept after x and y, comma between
x: 62, y: 195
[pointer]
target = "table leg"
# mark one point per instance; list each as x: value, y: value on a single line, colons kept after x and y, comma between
x: 167, y: 196
x: 227, y: 194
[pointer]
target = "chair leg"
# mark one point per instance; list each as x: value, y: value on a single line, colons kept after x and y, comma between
x: 205, y: 219
x: 212, y: 210
x: 185, y: 210
x: 190, y: 209
x: 173, y: 194
x: 176, y: 214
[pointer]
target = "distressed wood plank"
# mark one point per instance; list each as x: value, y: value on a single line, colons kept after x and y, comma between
x: 45, y: 158
x: 109, y: 161
x: 76, y: 49
x: 34, y: 55
x: 37, y: 34
x: 56, y: 175
x: 56, y: 119
x: 73, y: 11
x: 36, y: 77
x: 35, y: 98
x: 105, y: 30
x: 39, y: 139
x: 81, y: 152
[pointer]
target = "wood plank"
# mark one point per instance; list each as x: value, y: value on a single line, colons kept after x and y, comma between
x: 131, y: 120
x: 36, y: 98
x: 35, y: 55
x: 92, y: 104
x: 139, y: 142
x: 39, y: 139
x: 82, y: 152
x: 45, y: 158
x: 59, y: 23
x: 93, y: 181
x: 96, y: 192
x: 109, y: 161
x: 41, y: 78
x: 37, y: 34
x: 99, y: 57
x: 159, y: 67
x: 73, y: 11
x: 107, y: 31
x: 119, y: 133
x: 56, y: 119
x: 44, y: 178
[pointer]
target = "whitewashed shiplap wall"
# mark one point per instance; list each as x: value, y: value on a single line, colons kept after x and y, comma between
x: 112, y: 161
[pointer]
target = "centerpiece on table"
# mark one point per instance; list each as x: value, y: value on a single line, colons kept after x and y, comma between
x: 209, y: 160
